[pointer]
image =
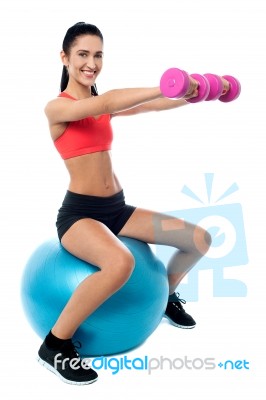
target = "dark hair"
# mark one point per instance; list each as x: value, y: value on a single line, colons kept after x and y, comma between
x: 79, y: 29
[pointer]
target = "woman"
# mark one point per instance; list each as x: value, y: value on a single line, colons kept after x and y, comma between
x: 94, y: 211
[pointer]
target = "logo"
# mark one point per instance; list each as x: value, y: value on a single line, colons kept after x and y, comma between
x: 147, y: 364
x: 225, y: 224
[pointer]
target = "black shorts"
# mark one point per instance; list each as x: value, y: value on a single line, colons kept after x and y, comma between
x: 111, y: 211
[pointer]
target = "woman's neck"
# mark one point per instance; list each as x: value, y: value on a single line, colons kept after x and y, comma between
x: 78, y: 92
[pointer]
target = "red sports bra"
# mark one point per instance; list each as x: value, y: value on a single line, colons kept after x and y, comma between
x: 88, y: 135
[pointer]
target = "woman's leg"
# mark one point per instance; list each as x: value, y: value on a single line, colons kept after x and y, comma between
x: 191, y: 241
x: 94, y: 243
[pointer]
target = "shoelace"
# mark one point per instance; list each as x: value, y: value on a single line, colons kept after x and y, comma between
x: 179, y: 301
x: 75, y: 346
x: 72, y: 349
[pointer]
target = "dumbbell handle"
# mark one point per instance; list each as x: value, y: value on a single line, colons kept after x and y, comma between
x: 226, y: 85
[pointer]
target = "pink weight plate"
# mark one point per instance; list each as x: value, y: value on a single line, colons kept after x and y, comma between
x: 234, y: 92
x: 216, y: 86
x: 174, y: 83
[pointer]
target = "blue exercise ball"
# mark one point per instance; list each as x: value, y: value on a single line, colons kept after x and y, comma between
x: 122, y: 322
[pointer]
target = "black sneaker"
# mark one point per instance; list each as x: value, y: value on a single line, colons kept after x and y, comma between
x: 67, y: 364
x: 176, y: 313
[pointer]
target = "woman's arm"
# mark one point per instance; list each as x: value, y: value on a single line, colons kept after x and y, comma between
x: 162, y: 103
x: 154, y: 105
x: 65, y: 110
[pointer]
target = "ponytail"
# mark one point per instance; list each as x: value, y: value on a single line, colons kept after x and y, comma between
x: 64, y: 79
x: 94, y: 90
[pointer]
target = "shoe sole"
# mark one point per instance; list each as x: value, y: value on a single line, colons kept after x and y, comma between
x: 177, y: 325
x: 52, y: 369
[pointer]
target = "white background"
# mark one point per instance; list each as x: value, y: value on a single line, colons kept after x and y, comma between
x: 154, y: 156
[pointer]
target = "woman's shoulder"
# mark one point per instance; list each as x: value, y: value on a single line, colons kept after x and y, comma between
x: 57, y: 102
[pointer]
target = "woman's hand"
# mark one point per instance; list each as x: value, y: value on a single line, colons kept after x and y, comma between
x: 193, y: 89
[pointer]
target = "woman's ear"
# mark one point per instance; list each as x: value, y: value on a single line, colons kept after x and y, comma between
x: 64, y: 58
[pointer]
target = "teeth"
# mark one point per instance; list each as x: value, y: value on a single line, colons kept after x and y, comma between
x: 88, y: 73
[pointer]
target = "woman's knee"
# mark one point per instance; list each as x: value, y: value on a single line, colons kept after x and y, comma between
x: 202, y: 240
x: 125, y: 264
x: 120, y: 266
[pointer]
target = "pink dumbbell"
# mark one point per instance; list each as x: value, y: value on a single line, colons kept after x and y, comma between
x: 218, y: 89
x: 175, y: 83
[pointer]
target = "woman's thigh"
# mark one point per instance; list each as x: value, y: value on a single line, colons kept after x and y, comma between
x: 93, y: 242
x: 158, y: 228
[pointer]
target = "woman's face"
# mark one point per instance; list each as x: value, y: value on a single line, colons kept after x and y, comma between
x: 84, y: 62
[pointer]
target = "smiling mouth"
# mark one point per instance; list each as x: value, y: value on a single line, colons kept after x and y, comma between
x: 88, y: 74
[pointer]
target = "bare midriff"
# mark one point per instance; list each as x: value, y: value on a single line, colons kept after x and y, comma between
x: 92, y: 174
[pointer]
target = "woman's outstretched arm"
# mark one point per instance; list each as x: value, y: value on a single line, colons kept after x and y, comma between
x: 154, y: 105
x: 62, y: 109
